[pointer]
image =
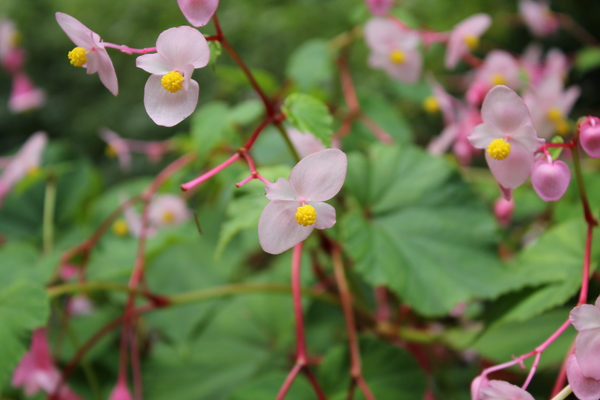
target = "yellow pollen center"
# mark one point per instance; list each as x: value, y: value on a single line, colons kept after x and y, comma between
x: 562, y: 127
x: 397, y: 56
x: 120, y: 227
x: 16, y: 39
x: 306, y: 215
x: 172, y: 81
x: 498, y: 79
x: 554, y: 115
x: 471, y: 41
x: 499, y: 149
x: 431, y: 105
x: 33, y: 171
x: 168, y: 217
x: 77, y: 56
x: 110, y: 151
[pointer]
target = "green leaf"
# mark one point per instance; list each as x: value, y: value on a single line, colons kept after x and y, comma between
x: 23, y: 308
x: 390, y: 372
x: 209, y: 125
x: 310, y: 64
x: 420, y: 230
x: 246, y: 112
x: 386, y: 115
x: 309, y: 115
x: 588, y: 59
x: 267, y: 386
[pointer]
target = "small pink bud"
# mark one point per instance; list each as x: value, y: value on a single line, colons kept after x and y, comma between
x: 503, y: 210
x: 589, y: 136
x: 380, y: 7
x: 550, y: 180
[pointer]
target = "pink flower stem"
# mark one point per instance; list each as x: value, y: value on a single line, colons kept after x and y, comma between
x: 383, y: 308
x: 129, y: 50
x: 588, y: 215
x: 585, y: 280
x: 288, y: 381
x: 253, y: 172
x: 187, y: 186
x: 377, y: 131
x: 135, y: 365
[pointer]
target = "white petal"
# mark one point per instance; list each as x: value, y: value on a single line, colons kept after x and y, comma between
x: 483, y: 135
x: 319, y: 176
x: 166, y: 108
x: 80, y: 34
x: 198, y: 12
x: 281, y: 190
x: 106, y: 70
x: 585, y: 316
x: 584, y: 388
x: 278, y: 230
x: 504, y: 109
x: 325, y: 214
x: 514, y: 169
x: 527, y: 137
x: 154, y: 63
x: 587, y: 351
x: 183, y: 45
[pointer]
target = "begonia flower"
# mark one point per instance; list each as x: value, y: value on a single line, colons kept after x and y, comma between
x: 507, y: 135
x: 116, y: 147
x: 198, y: 12
x: 465, y: 37
x: 90, y: 52
x: 12, y: 57
x: 394, y: 49
x: 168, y: 210
x: 121, y: 391
x: 80, y: 305
x: 550, y: 180
x: 170, y: 94
x: 583, y: 387
x: 550, y: 105
x: 27, y: 160
x: 478, y: 383
x: 538, y: 17
x: 24, y: 96
x: 297, y: 205
x: 589, y: 136
x: 500, y: 390
x: 498, y: 68
x: 379, y: 7
x: 305, y: 143
x: 586, y: 319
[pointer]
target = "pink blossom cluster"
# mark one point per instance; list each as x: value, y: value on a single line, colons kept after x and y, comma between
x: 163, y: 211
x: 122, y: 148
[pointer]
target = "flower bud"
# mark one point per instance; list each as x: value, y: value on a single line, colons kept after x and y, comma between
x: 550, y: 180
x: 503, y: 210
x: 589, y: 136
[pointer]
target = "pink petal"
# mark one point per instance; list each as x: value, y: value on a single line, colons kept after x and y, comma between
x: 514, y: 169
x: 120, y: 392
x: 383, y: 35
x: 409, y: 71
x: 527, y: 137
x: 106, y: 70
x: 198, y: 12
x: 166, y: 108
x: 584, y: 388
x: 500, y: 390
x: 281, y: 190
x: 440, y: 144
x: 475, y: 25
x: 483, y: 135
x: 504, y: 109
x: 325, y: 214
x: 550, y: 180
x: 183, y: 45
x: 170, y: 204
x: 589, y: 136
x: 28, y: 157
x: 319, y: 176
x: 585, y: 316
x: 379, y: 7
x: 587, y: 350
x: 154, y: 63
x: 80, y: 34
x: 119, y: 145
x: 278, y: 230
x: 478, y: 383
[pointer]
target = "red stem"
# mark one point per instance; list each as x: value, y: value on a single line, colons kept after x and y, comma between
x: 301, y: 356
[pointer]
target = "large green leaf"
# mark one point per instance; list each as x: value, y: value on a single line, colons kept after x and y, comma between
x: 420, y: 230
x: 310, y: 65
x: 309, y: 115
x: 23, y: 307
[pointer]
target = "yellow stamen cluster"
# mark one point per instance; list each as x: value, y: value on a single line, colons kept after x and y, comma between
x: 168, y: 217
x: 77, y: 56
x: 562, y: 127
x: 111, y: 152
x: 471, y: 41
x: 16, y: 39
x: 172, y: 81
x: 431, y: 105
x: 498, y: 79
x: 397, y: 56
x: 499, y: 149
x: 33, y: 171
x: 120, y: 227
x: 554, y: 114
x: 306, y: 215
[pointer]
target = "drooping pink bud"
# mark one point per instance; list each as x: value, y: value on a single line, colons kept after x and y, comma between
x: 550, y: 180
x: 589, y: 136
x: 120, y: 392
x: 503, y: 210
x: 379, y: 7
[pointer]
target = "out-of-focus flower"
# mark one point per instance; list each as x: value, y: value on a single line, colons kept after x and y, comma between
x: 24, y: 96
x: 465, y: 37
x: 550, y: 105
x: 550, y: 179
x: 554, y: 64
x: 27, y: 160
x: 500, y: 390
x: 503, y: 211
x: 116, y: 147
x: 170, y: 94
x: 508, y: 136
x: 498, y: 68
x: 589, y: 136
x: 168, y: 210
x: 90, y: 52
x: 586, y: 319
x: 297, y: 205
x: 583, y: 387
x: 379, y: 7
x: 68, y: 272
x: 198, y: 12
x: 12, y: 56
x: 304, y: 143
x: 80, y: 305
x: 394, y: 49
x: 538, y: 17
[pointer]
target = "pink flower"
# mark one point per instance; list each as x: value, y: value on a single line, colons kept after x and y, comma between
x: 304, y: 143
x: 168, y: 210
x: 584, y: 388
x: 379, y: 7
x: 500, y: 390
x: 507, y: 135
x: 90, y: 52
x: 498, y: 68
x: 120, y: 392
x: 80, y: 305
x: 503, y: 211
x: 394, y: 49
x: 478, y: 383
x: 170, y: 95
x: 586, y: 319
x: 117, y: 147
x: 465, y: 37
x: 297, y: 205
x: 550, y: 179
x: 538, y: 17
x: 198, y: 12
x: 24, y: 95
x: 589, y: 136
x: 37, y: 371
x: 12, y: 56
